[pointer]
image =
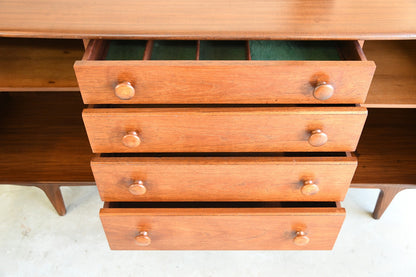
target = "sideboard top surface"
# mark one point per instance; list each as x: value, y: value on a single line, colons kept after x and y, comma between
x: 209, y: 19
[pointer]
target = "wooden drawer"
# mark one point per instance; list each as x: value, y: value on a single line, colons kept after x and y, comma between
x: 263, y: 72
x: 259, y: 129
x: 272, y: 178
x: 222, y: 226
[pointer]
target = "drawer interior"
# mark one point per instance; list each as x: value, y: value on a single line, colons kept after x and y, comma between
x: 125, y: 50
x: 173, y: 50
x: 229, y: 50
x: 223, y: 50
x: 294, y: 50
x: 230, y: 205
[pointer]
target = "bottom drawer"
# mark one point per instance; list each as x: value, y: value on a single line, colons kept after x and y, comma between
x: 222, y: 225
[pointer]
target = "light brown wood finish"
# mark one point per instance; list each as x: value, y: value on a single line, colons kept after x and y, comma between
x: 157, y: 82
x: 394, y: 84
x: 323, y: 91
x: 387, y: 149
x: 43, y: 142
x: 124, y: 91
x: 257, y: 129
x: 42, y: 139
x: 301, y: 238
x: 317, y: 138
x: 131, y: 139
x: 223, y: 178
x: 390, y: 166
x: 309, y: 187
x: 38, y: 64
x: 198, y: 19
x: 221, y: 228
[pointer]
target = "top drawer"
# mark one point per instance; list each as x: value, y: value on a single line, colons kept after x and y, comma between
x: 221, y: 72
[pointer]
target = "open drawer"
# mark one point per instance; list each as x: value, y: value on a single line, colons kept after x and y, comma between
x: 222, y: 225
x: 117, y: 128
x: 207, y: 72
x: 260, y: 177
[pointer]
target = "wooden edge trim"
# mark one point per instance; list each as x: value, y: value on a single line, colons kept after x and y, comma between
x: 359, y: 50
x: 40, y: 89
x: 381, y: 186
x: 95, y: 50
x: 102, y: 65
x: 36, y: 183
x: 198, y: 49
x: 325, y: 211
x: 248, y: 50
x: 244, y: 160
x: 85, y: 42
x: 148, y: 50
x: 96, y: 110
x: 351, y: 51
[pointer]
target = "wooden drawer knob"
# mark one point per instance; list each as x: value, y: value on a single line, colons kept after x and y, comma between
x: 137, y: 188
x: 131, y: 139
x: 323, y: 91
x: 317, y: 138
x: 143, y: 239
x: 124, y: 91
x: 309, y: 188
x: 301, y: 239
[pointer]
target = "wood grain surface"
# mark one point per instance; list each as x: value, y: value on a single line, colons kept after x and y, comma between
x: 394, y: 83
x: 223, y: 178
x: 216, y: 19
x: 267, y: 82
x: 222, y: 228
x: 252, y: 129
x: 42, y: 139
x: 387, y: 150
x: 38, y: 64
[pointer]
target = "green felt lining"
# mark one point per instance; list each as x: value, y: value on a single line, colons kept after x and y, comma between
x: 174, y: 50
x: 222, y: 50
x: 294, y: 50
x: 126, y: 50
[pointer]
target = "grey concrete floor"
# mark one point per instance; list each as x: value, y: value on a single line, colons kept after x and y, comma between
x: 35, y: 241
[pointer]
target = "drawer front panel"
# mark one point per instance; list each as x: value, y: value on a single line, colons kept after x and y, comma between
x: 163, y: 82
x: 223, y: 178
x: 224, y: 129
x: 222, y: 228
x: 223, y: 81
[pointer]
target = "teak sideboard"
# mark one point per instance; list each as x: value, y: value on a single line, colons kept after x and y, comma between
x: 208, y: 125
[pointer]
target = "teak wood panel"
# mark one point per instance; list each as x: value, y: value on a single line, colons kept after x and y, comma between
x: 222, y: 228
x: 394, y: 83
x: 43, y: 139
x: 38, y: 64
x: 390, y: 161
x: 223, y: 178
x: 199, y: 19
x: 169, y: 82
x: 260, y: 129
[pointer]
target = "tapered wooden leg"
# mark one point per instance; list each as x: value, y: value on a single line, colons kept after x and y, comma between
x: 55, y: 196
x: 384, y: 199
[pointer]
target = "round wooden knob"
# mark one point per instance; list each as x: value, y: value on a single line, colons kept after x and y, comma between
x: 143, y: 239
x: 309, y: 188
x: 317, y: 138
x: 137, y: 188
x: 124, y: 91
x: 323, y: 91
x: 131, y: 139
x: 301, y: 239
